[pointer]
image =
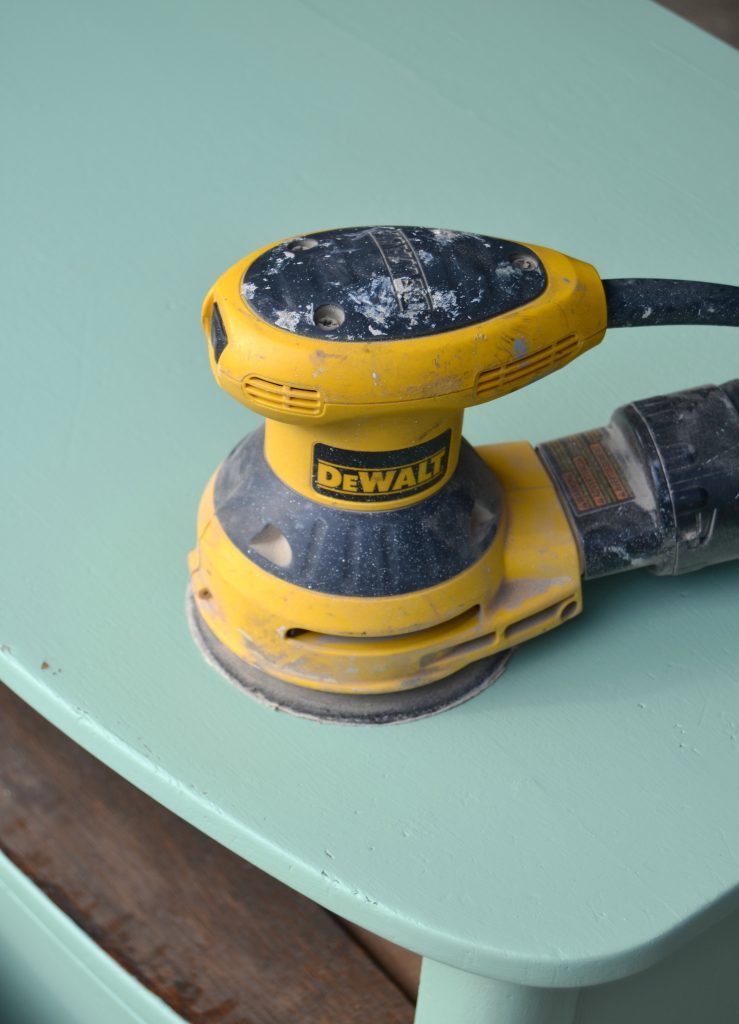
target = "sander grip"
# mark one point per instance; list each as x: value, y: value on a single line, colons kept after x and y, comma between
x: 657, y: 487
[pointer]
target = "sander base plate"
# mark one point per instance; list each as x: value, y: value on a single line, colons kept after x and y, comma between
x: 349, y: 709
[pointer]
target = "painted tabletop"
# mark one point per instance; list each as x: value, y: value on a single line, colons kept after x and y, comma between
x: 581, y: 817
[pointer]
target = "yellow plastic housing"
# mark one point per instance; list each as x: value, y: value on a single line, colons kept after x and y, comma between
x: 397, y: 404
x: 527, y: 583
x: 285, y: 376
x: 390, y: 395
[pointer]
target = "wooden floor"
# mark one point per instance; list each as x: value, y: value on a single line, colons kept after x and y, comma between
x: 211, y: 935
x: 719, y: 17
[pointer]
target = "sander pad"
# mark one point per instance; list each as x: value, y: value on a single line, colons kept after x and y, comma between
x: 348, y: 709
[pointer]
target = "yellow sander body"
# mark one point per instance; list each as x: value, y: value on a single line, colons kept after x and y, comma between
x: 356, y: 558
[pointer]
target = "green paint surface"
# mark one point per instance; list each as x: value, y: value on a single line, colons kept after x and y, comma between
x: 581, y: 818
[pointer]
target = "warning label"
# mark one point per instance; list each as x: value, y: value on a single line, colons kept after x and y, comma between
x: 589, y: 470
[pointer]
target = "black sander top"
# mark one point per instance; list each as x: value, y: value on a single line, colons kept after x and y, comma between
x: 389, y: 283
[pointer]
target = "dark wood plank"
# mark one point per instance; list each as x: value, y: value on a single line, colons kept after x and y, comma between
x: 400, y: 964
x: 720, y: 17
x: 217, y: 939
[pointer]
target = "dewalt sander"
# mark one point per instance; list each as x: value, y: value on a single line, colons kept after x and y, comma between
x: 356, y: 559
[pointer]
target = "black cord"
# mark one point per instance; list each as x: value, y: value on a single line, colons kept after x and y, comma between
x: 646, y: 301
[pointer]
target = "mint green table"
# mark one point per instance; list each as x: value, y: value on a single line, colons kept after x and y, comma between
x: 579, y: 822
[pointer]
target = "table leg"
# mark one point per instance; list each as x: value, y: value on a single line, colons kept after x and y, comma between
x: 450, y: 996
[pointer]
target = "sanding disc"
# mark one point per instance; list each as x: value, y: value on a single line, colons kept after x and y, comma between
x: 349, y: 709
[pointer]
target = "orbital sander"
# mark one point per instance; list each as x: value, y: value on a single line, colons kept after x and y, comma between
x: 357, y: 560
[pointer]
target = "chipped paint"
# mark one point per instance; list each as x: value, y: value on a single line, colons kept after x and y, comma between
x: 288, y: 319
x: 376, y: 300
x: 445, y: 300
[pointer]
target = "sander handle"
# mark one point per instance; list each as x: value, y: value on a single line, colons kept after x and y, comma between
x: 658, y: 486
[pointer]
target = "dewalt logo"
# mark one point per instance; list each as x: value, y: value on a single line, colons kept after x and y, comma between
x: 347, y: 480
x: 380, y: 476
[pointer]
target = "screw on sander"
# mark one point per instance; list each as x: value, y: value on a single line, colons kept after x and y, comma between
x: 357, y: 560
